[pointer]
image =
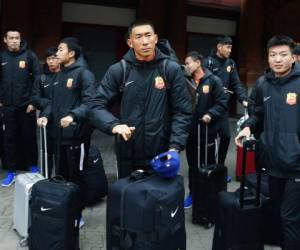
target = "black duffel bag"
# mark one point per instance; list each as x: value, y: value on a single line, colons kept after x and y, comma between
x: 93, y: 178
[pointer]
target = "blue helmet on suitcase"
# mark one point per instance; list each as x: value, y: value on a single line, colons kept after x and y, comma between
x: 166, y: 164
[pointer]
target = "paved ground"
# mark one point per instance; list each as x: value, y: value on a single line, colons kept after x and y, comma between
x: 92, y: 235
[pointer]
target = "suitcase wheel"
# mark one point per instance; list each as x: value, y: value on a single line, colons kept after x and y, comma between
x: 24, y: 242
x: 208, y: 225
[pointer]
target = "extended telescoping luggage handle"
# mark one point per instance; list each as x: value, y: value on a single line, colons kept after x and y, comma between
x: 44, y: 151
x: 249, y: 145
x: 199, y: 143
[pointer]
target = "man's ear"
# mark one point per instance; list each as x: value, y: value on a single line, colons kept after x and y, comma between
x: 72, y: 53
x: 156, y: 38
x: 129, y: 43
x: 5, y: 40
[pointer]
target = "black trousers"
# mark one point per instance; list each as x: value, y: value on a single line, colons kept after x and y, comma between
x: 285, y: 198
x: 224, y: 134
x: 19, y: 138
x: 192, y: 155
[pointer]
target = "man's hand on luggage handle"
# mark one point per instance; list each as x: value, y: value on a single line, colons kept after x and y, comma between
x: 42, y: 121
x: 123, y: 130
x: 206, y: 118
x: 244, y: 133
x: 66, y: 121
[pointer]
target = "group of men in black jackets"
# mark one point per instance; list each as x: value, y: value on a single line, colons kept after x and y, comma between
x: 159, y: 110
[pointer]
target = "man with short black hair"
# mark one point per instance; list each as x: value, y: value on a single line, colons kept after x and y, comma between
x: 221, y: 65
x: 68, y: 111
x: 155, y: 107
x: 19, y: 67
x: 210, y: 105
x: 276, y: 109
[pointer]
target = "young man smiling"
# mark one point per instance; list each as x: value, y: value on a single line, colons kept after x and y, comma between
x: 276, y: 110
x: 155, y: 112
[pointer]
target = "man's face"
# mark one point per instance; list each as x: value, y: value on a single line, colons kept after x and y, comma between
x: 64, y: 55
x: 143, y: 40
x: 12, y: 40
x: 192, y: 65
x: 280, y: 60
x: 224, y: 50
x: 53, y: 63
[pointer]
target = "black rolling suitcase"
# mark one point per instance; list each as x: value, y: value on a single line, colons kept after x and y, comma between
x: 238, y: 222
x: 55, y: 215
x: 208, y: 181
x: 270, y: 219
x: 145, y: 212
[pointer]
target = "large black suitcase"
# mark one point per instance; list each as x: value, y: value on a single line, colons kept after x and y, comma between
x: 270, y: 218
x: 145, y: 212
x: 208, y: 181
x: 55, y: 214
x: 238, y: 222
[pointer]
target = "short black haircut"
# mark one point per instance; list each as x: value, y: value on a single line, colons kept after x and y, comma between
x: 72, y: 44
x: 195, y: 55
x: 225, y: 40
x: 296, y: 50
x: 139, y: 22
x: 281, y: 40
x: 10, y: 29
x: 51, y: 51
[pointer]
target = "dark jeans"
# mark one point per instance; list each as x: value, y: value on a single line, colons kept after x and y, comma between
x: 19, y: 137
x: 285, y: 198
x: 224, y: 134
x: 192, y: 155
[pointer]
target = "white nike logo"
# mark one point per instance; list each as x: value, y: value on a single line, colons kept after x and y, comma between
x: 174, y: 213
x: 55, y: 83
x: 4, y: 63
x: 47, y: 85
x: 45, y: 209
x: 127, y: 83
x: 267, y: 98
x: 96, y: 160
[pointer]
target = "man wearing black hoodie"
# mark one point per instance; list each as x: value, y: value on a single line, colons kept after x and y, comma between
x: 19, y: 67
x: 42, y: 94
x: 221, y: 65
x: 210, y: 105
x: 155, y: 112
x: 276, y: 110
x: 67, y: 112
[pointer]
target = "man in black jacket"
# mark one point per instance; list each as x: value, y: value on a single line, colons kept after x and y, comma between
x: 19, y: 66
x: 210, y: 105
x: 67, y: 112
x: 276, y: 111
x: 221, y: 65
x: 155, y: 108
x: 42, y: 93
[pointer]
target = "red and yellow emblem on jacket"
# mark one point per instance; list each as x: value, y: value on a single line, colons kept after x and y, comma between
x: 291, y: 98
x: 159, y: 83
x: 22, y: 64
x: 205, y: 89
x: 69, y: 83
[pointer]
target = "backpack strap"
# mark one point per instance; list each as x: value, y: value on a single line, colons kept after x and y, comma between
x: 210, y: 63
x: 43, y: 79
x: 125, y: 72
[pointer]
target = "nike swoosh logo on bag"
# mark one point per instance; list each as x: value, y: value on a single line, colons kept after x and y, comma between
x: 45, y: 209
x: 4, y: 63
x: 174, y: 213
x: 96, y: 160
x: 127, y: 83
x: 267, y: 98
x: 55, y: 83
